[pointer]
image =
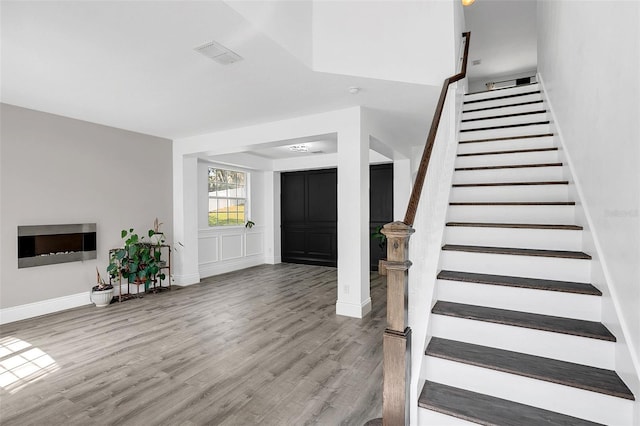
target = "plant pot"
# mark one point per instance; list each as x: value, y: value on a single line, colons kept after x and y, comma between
x: 382, y: 266
x: 102, y: 298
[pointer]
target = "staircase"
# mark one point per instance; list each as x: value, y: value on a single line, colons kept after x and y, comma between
x: 516, y: 331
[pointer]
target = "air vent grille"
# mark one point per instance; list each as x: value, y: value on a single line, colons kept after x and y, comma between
x: 218, y: 53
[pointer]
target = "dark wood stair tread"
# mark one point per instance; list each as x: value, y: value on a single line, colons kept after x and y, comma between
x: 571, y: 326
x: 510, y: 166
x: 503, y: 106
x: 462, y: 185
x: 551, y: 370
x: 506, y: 138
x: 518, y: 114
x: 512, y: 151
x: 513, y: 203
x: 520, y: 282
x: 505, y: 126
x: 516, y: 95
x: 489, y: 410
x: 518, y: 251
x: 516, y: 225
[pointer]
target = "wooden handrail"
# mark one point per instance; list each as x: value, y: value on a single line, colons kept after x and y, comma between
x: 396, y: 342
x: 431, y: 138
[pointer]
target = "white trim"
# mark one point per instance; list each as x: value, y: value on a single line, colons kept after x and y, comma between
x: 272, y: 260
x: 30, y: 310
x: 352, y: 309
x: 216, y: 268
x: 184, y: 280
x: 633, y: 353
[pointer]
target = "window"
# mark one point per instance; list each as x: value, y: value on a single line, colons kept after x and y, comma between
x: 227, y: 197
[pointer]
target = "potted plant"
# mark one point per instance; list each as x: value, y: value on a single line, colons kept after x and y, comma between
x: 382, y: 243
x: 156, y: 236
x: 138, y: 261
x: 102, y: 293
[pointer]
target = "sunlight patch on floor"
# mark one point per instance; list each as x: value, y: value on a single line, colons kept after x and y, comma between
x: 21, y: 364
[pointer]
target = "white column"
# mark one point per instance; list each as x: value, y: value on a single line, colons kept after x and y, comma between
x: 353, y: 220
x: 185, y: 220
x: 272, y: 247
x: 401, y: 187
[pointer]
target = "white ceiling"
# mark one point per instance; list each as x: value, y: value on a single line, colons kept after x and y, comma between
x: 131, y: 65
x: 503, y: 37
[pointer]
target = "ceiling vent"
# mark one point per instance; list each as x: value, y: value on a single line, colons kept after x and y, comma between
x: 476, y: 62
x: 218, y: 53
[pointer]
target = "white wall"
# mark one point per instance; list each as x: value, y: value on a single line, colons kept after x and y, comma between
x: 411, y: 41
x: 589, y: 63
x: 57, y: 170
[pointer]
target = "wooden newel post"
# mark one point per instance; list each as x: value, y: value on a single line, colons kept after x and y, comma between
x: 397, y: 335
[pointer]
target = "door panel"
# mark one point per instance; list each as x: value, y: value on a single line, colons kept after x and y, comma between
x: 309, y: 217
x: 310, y: 214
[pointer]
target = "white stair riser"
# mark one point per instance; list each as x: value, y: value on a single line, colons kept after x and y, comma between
x: 501, y: 102
x: 559, y: 215
x: 549, y: 239
x: 536, y: 129
x: 429, y: 417
x: 550, y: 268
x: 563, y: 347
x: 524, y: 174
x: 504, y: 121
x: 549, y: 396
x: 555, y: 303
x: 568, y: 305
x: 502, y: 92
x: 506, y: 145
x: 511, y: 193
x: 536, y: 157
x: 538, y: 106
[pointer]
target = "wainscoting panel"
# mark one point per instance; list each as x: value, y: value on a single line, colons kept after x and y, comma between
x: 223, y: 250
x: 254, y: 243
x: 231, y: 246
x: 208, y: 248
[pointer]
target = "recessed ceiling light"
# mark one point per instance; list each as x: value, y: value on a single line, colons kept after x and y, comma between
x: 354, y: 90
x: 299, y: 148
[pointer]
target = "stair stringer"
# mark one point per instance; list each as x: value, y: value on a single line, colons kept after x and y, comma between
x: 425, y: 244
x: 627, y: 361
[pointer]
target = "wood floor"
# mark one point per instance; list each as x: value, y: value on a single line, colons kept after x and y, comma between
x: 260, y: 346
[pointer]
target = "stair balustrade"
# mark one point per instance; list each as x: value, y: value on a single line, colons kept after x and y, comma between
x: 397, y: 335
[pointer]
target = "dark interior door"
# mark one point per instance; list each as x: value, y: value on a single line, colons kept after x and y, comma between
x: 309, y: 210
x: 380, y: 206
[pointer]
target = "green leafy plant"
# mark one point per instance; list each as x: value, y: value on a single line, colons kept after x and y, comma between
x: 137, y: 260
x: 380, y: 237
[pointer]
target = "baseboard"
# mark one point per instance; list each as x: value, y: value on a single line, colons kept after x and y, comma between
x: 273, y: 260
x: 222, y: 267
x: 353, y: 310
x: 35, y: 309
x: 187, y: 279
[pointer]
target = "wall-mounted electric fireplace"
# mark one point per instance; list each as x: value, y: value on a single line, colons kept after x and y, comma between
x: 48, y: 244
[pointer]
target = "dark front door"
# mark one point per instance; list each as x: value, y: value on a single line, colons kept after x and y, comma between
x: 380, y: 206
x: 309, y: 209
